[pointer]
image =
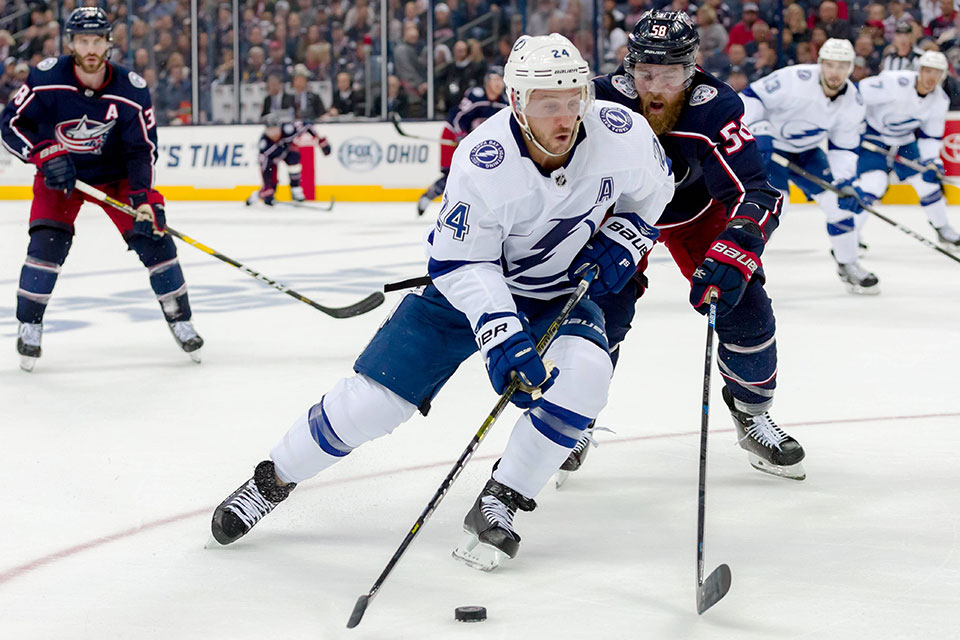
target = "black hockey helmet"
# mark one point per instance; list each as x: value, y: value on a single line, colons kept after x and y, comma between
x: 88, y: 20
x: 663, y: 37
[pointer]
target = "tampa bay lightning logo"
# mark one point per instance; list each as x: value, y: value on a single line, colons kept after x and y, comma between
x: 803, y: 74
x: 800, y: 129
x: 617, y: 120
x: 487, y: 155
x: 903, y: 81
x: 83, y: 135
x: 899, y: 124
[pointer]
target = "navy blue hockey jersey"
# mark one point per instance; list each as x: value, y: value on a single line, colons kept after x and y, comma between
x: 472, y: 110
x: 714, y: 156
x: 110, y: 132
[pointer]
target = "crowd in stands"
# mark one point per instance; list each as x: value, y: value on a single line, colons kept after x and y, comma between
x: 288, y: 46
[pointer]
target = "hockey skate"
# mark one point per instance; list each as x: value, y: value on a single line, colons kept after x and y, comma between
x: 768, y: 447
x: 246, y: 506
x: 187, y: 338
x: 578, y: 454
x: 297, y: 195
x: 254, y: 198
x: 28, y: 344
x: 488, y: 534
x: 857, y: 279
x: 423, y: 203
x: 948, y: 237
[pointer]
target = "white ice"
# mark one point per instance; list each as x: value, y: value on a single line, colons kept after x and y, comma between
x: 115, y: 450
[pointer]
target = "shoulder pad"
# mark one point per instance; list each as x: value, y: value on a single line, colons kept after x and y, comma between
x: 46, y: 64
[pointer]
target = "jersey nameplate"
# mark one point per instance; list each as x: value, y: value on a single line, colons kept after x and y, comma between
x: 617, y: 120
x: 489, y: 154
x: 702, y: 94
x: 624, y: 85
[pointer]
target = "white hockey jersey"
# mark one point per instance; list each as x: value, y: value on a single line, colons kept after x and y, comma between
x: 507, y: 229
x: 789, y: 105
x: 898, y: 115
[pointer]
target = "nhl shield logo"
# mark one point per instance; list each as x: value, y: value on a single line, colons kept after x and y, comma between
x: 83, y: 135
x: 702, y: 94
x: 617, y: 120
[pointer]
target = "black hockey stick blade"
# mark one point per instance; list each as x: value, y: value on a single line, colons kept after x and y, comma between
x: 369, y: 303
x: 358, y: 610
x: 712, y: 590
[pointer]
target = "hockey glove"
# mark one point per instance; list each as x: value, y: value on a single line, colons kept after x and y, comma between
x: 324, y: 146
x: 151, y: 218
x: 933, y: 172
x: 765, y: 147
x: 56, y: 165
x: 730, y: 262
x: 617, y: 249
x: 852, y: 197
x: 508, y: 351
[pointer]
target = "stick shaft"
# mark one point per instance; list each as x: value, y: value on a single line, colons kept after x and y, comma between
x: 704, y: 422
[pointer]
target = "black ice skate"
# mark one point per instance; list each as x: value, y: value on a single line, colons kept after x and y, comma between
x: 578, y: 454
x: 28, y: 344
x: 187, y: 338
x: 488, y: 528
x: 857, y: 279
x: 246, y: 506
x: 768, y: 447
x: 948, y: 237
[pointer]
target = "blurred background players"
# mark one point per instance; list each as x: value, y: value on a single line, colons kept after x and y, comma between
x: 81, y: 117
x: 276, y: 146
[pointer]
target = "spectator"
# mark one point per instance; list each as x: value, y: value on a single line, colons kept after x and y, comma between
x: 805, y: 53
x: 898, y: 14
x: 442, y: 22
x: 537, y: 23
x: 817, y: 37
x: 8, y: 81
x: 904, y: 53
x: 829, y: 20
x: 635, y: 9
x: 312, y: 37
x: 738, y: 58
x: 254, y: 70
x: 795, y: 29
x: 742, y: 32
x: 276, y: 99
x: 612, y: 38
x: 943, y: 22
x: 140, y: 36
x: 307, y: 106
x: 683, y: 6
x: 722, y: 9
x: 396, y: 98
x: 860, y: 69
x: 162, y: 50
x: 318, y: 62
x: 610, y: 6
x: 458, y: 76
x: 761, y: 33
x: 713, y: 37
x: 504, y: 47
x: 864, y: 48
x: 765, y: 62
x: 175, y: 91
x: 346, y: 101
x: 278, y: 64
x: 737, y: 78
x: 410, y: 67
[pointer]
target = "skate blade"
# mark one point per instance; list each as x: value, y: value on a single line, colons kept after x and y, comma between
x: 949, y: 246
x: 194, y: 355
x: 862, y: 291
x: 478, y: 555
x: 27, y: 363
x: 791, y: 472
x: 212, y: 543
x: 561, y: 478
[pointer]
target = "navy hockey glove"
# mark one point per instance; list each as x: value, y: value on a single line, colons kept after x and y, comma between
x: 508, y: 351
x: 933, y: 172
x: 324, y: 146
x: 852, y: 198
x: 765, y: 147
x: 617, y: 249
x: 730, y: 262
x: 151, y: 218
x: 56, y: 165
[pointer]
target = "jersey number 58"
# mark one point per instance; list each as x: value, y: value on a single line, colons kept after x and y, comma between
x: 735, y: 138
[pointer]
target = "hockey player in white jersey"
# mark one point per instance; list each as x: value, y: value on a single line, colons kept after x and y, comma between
x: 791, y: 112
x: 906, y: 112
x: 524, y: 211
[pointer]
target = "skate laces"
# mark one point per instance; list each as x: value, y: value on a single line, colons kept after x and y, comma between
x: 497, y: 512
x: 30, y: 333
x: 183, y: 330
x: 250, y: 505
x: 588, y: 439
x: 765, y: 431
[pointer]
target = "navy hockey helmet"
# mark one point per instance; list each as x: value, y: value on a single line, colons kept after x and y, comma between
x: 663, y: 37
x: 88, y: 20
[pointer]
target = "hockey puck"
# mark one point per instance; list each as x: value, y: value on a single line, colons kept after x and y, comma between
x: 470, y: 614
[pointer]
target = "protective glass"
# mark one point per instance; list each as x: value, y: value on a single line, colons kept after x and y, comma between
x: 548, y: 103
x: 659, y: 78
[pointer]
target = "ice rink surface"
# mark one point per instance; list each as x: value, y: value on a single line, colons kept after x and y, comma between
x: 115, y: 450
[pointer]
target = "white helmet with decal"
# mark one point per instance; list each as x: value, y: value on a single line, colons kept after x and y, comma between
x: 934, y: 60
x: 545, y: 62
x: 837, y: 50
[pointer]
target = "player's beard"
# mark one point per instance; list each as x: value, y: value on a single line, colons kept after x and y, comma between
x: 663, y: 119
x: 88, y: 67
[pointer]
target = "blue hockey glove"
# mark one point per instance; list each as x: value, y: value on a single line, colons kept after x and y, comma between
x: 933, y: 172
x: 617, y: 248
x: 151, y: 218
x: 765, y: 147
x: 56, y: 165
x: 508, y: 351
x: 852, y: 198
x: 730, y: 262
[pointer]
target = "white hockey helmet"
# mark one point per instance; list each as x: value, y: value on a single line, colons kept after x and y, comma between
x: 837, y: 50
x: 545, y: 62
x: 934, y: 60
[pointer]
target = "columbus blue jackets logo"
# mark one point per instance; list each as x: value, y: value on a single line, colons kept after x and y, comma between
x: 46, y: 64
x: 83, y: 135
x: 703, y: 93
x: 487, y: 155
x: 624, y: 85
x: 617, y: 120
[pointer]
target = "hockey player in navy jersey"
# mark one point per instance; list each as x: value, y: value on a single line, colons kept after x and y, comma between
x: 716, y: 227
x: 906, y: 115
x: 81, y: 117
x: 523, y: 212
x: 477, y: 105
x: 276, y: 146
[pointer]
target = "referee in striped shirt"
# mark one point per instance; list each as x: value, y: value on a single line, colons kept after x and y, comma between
x: 905, y: 53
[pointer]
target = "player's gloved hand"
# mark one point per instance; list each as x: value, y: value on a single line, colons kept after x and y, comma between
x: 151, y: 217
x: 852, y: 198
x: 730, y: 262
x: 934, y: 170
x: 325, y: 146
x: 56, y: 165
x: 508, y: 351
x: 765, y: 147
x: 617, y: 248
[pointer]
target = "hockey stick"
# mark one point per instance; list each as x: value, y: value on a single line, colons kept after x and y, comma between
x: 369, y: 303
x: 395, y: 119
x: 711, y: 590
x: 307, y: 205
x: 364, y: 601
x: 912, y: 164
x: 817, y: 180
